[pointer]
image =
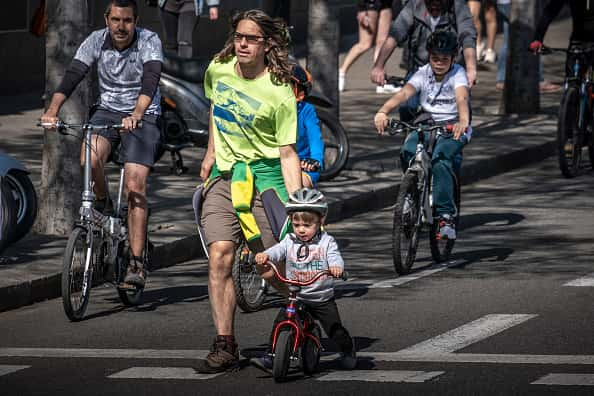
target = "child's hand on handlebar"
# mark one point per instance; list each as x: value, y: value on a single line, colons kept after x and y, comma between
x: 381, y: 122
x: 335, y: 271
x: 262, y: 260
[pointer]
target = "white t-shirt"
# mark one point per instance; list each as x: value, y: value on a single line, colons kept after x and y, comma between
x: 439, y: 98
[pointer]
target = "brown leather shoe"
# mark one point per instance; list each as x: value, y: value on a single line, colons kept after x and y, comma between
x: 136, y: 274
x: 223, y: 356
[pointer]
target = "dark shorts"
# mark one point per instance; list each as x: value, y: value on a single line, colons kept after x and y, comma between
x: 373, y: 5
x: 139, y: 146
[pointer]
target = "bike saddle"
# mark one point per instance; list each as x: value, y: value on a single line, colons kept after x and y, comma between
x: 188, y: 69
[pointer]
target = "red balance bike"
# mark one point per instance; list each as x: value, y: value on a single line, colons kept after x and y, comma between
x: 297, y: 337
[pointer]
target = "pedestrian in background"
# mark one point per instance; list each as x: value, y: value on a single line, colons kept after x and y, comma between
x: 374, y: 18
x: 504, y: 10
x: 484, y: 52
x: 179, y: 19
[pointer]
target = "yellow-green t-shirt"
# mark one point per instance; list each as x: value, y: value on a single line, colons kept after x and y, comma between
x: 251, y: 118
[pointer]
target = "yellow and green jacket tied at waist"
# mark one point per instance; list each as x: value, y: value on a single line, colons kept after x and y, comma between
x: 246, y: 179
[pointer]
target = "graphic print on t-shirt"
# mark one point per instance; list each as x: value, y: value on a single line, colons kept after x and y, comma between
x: 235, y: 111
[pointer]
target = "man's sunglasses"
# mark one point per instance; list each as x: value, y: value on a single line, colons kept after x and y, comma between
x: 250, y: 38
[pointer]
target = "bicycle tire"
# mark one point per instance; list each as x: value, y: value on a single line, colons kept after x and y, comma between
x: 282, y: 354
x: 8, y: 216
x: 336, y: 145
x: 250, y: 287
x: 568, y: 147
x: 75, y: 305
x: 310, y: 353
x: 442, y: 249
x: 405, y: 230
x: 26, y: 202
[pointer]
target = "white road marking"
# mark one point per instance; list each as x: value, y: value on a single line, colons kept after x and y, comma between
x: 172, y: 373
x: 7, y: 369
x: 401, y: 280
x: 465, y: 335
x: 381, y: 376
x: 566, y: 379
x: 585, y: 281
x: 197, y: 354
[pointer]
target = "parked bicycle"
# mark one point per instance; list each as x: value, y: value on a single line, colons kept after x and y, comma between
x: 296, y: 339
x: 97, y: 249
x: 414, y: 204
x: 575, y: 128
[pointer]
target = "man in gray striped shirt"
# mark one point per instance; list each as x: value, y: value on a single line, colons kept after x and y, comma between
x: 129, y: 61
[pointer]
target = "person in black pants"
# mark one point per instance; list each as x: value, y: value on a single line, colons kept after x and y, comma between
x: 179, y: 19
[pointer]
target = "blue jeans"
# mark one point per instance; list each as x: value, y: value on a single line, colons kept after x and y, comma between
x: 409, y: 109
x: 446, y: 161
x: 505, y: 9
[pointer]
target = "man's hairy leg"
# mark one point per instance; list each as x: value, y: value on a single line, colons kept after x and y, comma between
x: 136, y: 176
x: 100, y: 149
x: 220, y: 285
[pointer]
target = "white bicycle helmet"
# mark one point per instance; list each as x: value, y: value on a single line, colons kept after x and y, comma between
x: 307, y: 200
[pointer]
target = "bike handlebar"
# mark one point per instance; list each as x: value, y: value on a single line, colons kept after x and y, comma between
x: 572, y: 49
x: 395, y: 81
x: 396, y: 126
x: 61, y: 126
x: 306, y: 283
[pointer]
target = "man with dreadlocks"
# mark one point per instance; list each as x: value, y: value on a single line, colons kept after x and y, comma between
x: 251, y: 163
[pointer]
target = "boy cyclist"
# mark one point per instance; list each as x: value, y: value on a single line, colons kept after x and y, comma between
x: 310, y: 146
x: 307, y: 251
x: 444, y: 94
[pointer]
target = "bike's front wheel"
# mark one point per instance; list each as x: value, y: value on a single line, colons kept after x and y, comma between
x: 282, y: 354
x: 569, y: 149
x: 76, y: 281
x: 250, y: 287
x: 406, y: 228
x: 441, y: 249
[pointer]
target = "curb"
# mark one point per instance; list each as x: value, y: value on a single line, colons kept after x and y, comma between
x: 184, y: 249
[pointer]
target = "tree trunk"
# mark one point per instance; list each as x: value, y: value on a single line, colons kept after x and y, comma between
x: 522, y: 70
x: 61, y: 184
x: 323, y: 37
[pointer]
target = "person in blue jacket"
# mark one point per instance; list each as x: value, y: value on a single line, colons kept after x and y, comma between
x: 310, y: 146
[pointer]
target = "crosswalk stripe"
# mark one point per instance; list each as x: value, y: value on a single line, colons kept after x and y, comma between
x: 381, y: 376
x: 585, y: 281
x: 467, y: 334
x: 566, y: 379
x: 171, y: 373
x: 7, y: 369
x: 398, y: 281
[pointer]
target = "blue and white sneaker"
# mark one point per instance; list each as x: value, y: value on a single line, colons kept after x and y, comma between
x: 447, y: 227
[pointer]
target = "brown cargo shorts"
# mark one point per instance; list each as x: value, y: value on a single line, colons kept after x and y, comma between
x: 219, y: 219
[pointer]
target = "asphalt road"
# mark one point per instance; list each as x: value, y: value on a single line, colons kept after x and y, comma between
x: 510, y: 314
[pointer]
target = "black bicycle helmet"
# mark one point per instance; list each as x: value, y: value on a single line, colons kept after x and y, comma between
x: 302, y: 81
x: 443, y: 42
x: 307, y: 200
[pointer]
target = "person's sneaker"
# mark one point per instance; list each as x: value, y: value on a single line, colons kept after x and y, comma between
x: 447, y: 228
x: 387, y: 88
x: 136, y: 274
x: 480, y: 49
x: 490, y: 56
x: 348, y: 359
x: 223, y: 356
x: 263, y: 362
x: 341, y: 78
